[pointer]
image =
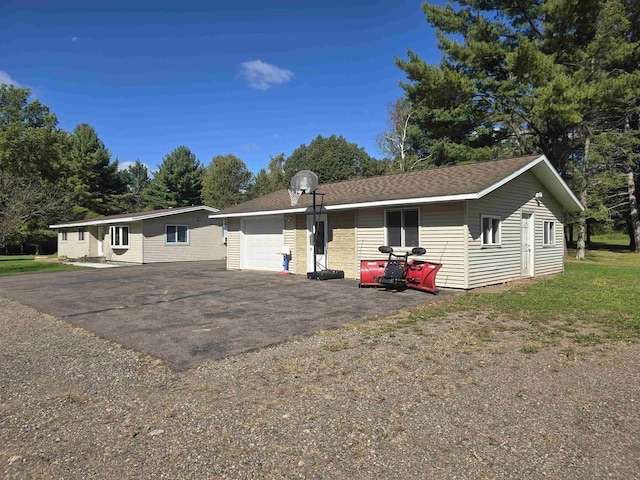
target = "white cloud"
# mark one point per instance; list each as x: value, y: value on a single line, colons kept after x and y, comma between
x: 6, y: 79
x: 74, y: 39
x: 125, y: 165
x: 250, y: 147
x: 262, y: 76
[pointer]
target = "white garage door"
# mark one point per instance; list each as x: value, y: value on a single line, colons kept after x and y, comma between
x: 261, y: 243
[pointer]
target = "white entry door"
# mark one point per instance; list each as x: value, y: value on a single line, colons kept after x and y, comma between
x: 527, y: 244
x: 321, y: 242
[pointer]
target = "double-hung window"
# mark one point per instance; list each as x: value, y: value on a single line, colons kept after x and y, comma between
x: 119, y: 236
x: 402, y: 227
x: 63, y: 236
x: 548, y: 233
x: 490, y: 230
x: 177, y: 234
x: 81, y: 234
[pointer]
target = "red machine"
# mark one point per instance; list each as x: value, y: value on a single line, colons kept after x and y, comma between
x: 398, y: 272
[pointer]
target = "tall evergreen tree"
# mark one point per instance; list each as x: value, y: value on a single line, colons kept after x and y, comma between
x: 92, y: 179
x: 226, y: 181
x: 178, y: 181
x: 524, y: 77
x: 136, y: 178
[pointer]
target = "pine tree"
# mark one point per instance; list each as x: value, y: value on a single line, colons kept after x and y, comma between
x: 178, y: 181
x: 92, y: 179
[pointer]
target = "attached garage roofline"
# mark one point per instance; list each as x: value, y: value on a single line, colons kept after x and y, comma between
x: 347, y: 206
x: 454, y: 183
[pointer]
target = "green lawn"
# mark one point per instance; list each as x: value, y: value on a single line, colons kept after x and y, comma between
x: 18, y: 264
x: 594, y: 299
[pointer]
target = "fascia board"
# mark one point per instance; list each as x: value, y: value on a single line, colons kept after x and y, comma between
x: 515, y: 174
x: 348, y: 206
x: 542, y: 159
x: 137, y: 218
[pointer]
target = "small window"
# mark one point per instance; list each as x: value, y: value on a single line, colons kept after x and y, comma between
x: 177, y: 234
x: 119, y: 236
x: 403, y: 228
x: 81, y: 235
x: 63, y: 236
x: 225, y: 230
x: 490, y: 230
x: 548, y: 234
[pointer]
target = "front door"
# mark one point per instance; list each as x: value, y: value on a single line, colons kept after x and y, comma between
x: 320, y: 242
x: 527, y: 243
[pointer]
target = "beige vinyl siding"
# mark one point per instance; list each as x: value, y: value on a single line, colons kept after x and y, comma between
x: 300, y: 253
x: 204, y: 239
x: 369, y: 235
x: 548, y: 259
x: 442, y: 234
x: 290, y: 240
x: 491, y: 265
x: 233, y: 244
x: 73, y: 248
x: 133, y: 254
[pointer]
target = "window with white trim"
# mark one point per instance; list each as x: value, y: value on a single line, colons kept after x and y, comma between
x: 402, y: 227
x: 63, y: 236
x: 491, y: 230
x: 177, y: 234
x: 81, y: 235
x: 225, y: 230
x: 119, y: 236
x: 548, y: 233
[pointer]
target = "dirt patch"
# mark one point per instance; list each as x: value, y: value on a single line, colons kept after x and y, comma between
x: 383, y: 399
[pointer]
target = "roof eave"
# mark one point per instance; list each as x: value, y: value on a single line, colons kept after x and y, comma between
x: 348, y: 206
x: 559, y: 188
x: 137, y: 218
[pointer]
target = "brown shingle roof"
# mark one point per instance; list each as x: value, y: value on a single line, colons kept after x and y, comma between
x: 137, y: 215
x: 437, y: 182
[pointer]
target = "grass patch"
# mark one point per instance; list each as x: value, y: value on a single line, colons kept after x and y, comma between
x: 19, y: 264
x: 598, y: 293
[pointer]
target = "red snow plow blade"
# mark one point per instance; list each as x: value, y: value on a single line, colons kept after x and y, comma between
x: 399, y: 273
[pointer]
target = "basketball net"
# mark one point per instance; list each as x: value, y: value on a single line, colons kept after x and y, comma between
x: 294, y: 195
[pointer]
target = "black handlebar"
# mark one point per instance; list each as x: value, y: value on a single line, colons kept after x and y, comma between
x: 389, y: 250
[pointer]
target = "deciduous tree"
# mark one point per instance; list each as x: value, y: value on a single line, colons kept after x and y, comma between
x: 270, y: 179
x: 333, y: 159
x: 226, y: 181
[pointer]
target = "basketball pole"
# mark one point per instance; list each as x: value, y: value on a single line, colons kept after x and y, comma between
x: 315, y: 232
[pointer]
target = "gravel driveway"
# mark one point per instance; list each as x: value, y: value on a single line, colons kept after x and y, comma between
x: 380, y: 399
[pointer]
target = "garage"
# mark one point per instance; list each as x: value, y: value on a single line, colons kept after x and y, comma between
x: 261, y: 242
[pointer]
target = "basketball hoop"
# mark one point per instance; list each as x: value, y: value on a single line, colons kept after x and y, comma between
x: 301, y: 183
x: 295, y: 195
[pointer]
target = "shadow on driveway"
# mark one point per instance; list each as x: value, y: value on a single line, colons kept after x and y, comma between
x: 186, y: 313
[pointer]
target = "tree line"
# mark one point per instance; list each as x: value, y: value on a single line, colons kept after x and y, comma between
x: 559, y: 77
x: 49, y: 175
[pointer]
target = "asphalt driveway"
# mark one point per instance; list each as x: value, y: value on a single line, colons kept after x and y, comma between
x: 186, y: 313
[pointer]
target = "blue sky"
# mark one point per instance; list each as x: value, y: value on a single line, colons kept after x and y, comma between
x: 252, y: 78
